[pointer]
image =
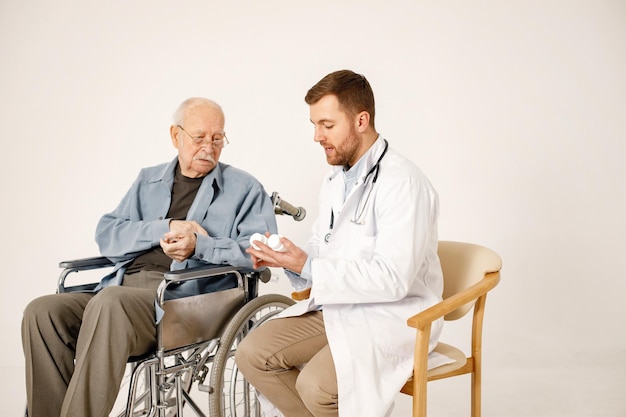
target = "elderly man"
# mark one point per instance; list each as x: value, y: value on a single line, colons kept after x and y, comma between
x: 370, y: 264
x: 190, y: 211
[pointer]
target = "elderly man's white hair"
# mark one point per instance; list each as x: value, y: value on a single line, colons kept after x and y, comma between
x: 179, y: 114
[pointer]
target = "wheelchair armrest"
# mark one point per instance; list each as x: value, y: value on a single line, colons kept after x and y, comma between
x: 211, y: 269
x: 197, y: 280
x: 86, y: 263
x: 77, y: 265
x: 185, y: 281
x: 199, y: 272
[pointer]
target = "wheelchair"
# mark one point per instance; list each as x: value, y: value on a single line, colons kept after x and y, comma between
x: 206, y: 312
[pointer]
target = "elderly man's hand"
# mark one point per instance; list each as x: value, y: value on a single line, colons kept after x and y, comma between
x: 180, y: 242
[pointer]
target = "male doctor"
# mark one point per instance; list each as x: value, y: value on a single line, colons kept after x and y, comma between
x: 370, y: 264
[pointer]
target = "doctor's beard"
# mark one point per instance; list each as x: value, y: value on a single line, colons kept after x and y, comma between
x: 346, y: 151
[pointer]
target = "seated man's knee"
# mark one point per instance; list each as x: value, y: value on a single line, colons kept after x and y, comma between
x: 36, y: 310
x: 105, y: 300
x: 123, y: 307
x: 38, y: 305
x: 126, y: 315
x: 244, y: 356
x: 54, y: 316
x: 253, y: 357
x: 114, y: 298
x: 50, y: 308
x: 317, y: 388
x: 109, y: 295
x: 314, y: 396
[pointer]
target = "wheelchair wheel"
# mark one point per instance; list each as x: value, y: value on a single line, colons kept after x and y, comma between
x: 230, y: 394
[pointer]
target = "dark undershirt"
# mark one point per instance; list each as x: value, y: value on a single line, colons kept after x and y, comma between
x: 184, y: 192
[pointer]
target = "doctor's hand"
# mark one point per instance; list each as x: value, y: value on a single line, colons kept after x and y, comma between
x: 180, y: 242
x: 293, y: 258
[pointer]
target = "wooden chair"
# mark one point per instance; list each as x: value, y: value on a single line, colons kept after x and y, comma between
x: 469, y: 272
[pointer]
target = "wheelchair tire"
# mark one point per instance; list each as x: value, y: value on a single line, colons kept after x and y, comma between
x: 230, y: 394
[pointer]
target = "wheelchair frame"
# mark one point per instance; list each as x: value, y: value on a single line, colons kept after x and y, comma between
x: 160, y: 382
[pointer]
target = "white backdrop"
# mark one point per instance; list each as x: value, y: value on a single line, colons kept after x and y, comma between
x: 515, y: 110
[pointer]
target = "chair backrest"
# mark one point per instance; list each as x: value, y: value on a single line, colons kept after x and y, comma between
x: 463, y: 265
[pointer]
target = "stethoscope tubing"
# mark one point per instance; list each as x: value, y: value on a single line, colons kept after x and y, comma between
x: 358, y: 213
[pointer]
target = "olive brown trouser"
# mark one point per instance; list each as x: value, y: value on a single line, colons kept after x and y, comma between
x: 76, y: 345
x: 288, y: 360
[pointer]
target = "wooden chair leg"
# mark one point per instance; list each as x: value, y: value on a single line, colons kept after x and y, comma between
x: 476, y: 381
x: 420, y: 370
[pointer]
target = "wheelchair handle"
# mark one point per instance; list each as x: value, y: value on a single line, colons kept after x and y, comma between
x: 283, y: 207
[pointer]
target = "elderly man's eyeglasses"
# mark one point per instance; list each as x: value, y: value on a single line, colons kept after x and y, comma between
x: 217, y: 141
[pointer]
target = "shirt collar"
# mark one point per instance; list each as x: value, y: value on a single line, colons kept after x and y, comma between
x: 215, y: 176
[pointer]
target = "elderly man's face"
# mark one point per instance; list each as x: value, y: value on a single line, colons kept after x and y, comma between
x: 197, y: 155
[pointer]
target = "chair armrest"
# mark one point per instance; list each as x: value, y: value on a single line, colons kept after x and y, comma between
x: 198, y: 272
x: 198, y: 279
x: 212, y: 269
x: 301, y: 295
x: 426, y: 317
x: 77, y: 265
x: 86, y: 263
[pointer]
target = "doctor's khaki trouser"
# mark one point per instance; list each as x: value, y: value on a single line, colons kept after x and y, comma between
x: 271, y: 356
x: 100, y: 331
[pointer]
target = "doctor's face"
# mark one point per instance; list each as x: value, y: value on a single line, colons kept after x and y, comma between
x: 336, y: 131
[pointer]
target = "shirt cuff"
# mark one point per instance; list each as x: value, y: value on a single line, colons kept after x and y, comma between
x: 304, y: 274
x: 159, y: 229
x: 307, y: 272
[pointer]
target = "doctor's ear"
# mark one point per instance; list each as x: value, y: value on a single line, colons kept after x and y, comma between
x: 362, y: 121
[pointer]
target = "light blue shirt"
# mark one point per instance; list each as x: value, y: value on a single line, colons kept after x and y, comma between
x: 230, y: 205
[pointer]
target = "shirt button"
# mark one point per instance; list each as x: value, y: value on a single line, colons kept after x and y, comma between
x: 201, y: 256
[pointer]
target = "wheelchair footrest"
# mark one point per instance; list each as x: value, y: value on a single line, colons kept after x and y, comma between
x: 205, y: 388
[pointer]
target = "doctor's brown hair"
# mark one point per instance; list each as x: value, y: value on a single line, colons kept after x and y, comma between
x: 352, y: 90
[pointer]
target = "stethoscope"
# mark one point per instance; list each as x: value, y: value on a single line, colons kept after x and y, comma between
x: 359, y: 212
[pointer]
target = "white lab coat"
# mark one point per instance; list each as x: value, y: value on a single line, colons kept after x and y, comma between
x: 373, y: 273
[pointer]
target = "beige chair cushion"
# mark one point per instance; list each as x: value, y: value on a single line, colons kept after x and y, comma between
x: 451, y: 352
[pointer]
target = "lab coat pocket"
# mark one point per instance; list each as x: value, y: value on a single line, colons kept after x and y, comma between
x: 360, y: 243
